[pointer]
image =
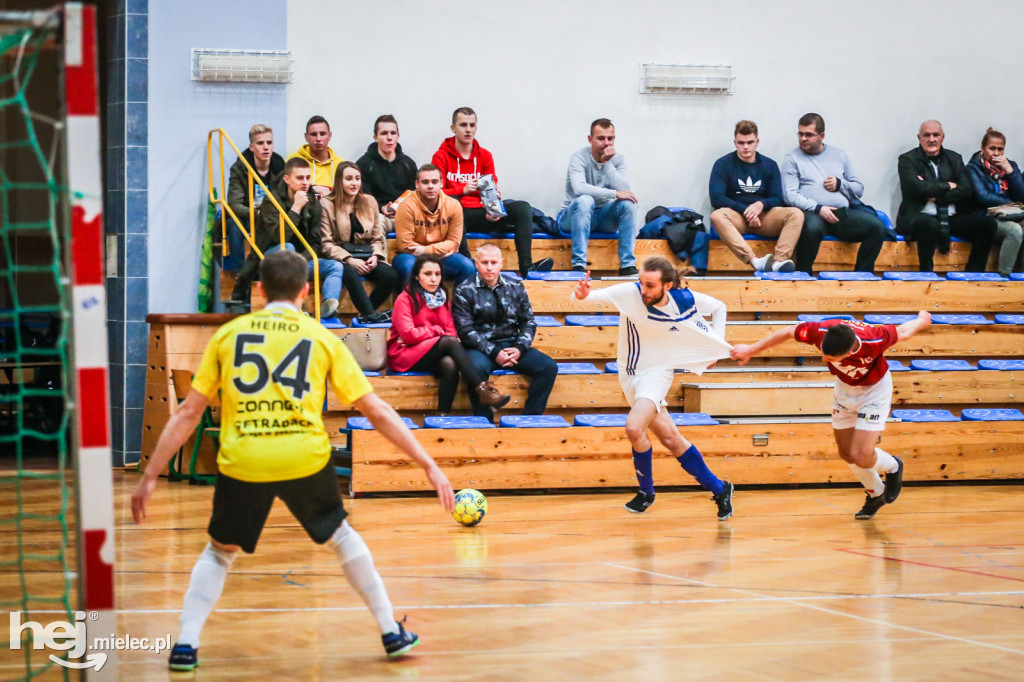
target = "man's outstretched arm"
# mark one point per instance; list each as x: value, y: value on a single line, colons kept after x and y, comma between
x: 908, y: 329
x: 743, y: 352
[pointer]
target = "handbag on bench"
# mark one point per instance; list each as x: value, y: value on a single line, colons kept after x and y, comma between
x: 369, y: 347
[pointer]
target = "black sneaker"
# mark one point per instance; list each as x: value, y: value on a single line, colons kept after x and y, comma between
x: 375, y: 318
x: 894, y: 483
x: 579, y: 268
x: 640, y: 503
x: 399, y: 643
x: 183, y: 657
x: 631, y: 270
x: 543, y: 265
x: 724, y: 501
x: 871, y: 506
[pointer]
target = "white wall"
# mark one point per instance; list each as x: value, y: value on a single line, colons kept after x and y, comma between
x: 181, y: 112
x: 537, y: 72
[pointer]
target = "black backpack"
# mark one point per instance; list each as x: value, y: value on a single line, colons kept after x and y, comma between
x: 680, y: 227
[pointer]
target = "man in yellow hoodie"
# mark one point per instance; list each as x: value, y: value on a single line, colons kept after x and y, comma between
x: 429, y: 221
x: 318, y: 152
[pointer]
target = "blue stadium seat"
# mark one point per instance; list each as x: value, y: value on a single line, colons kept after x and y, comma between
x: 457, y: 423
x: 911, y: 276
x: 489, y: 236
x: 512, y: 275
x: 798, y: 276
x: 976, y: 276
x: 896, y: 366
x: 369, y: 374
x: 392, y: 373
x: 885, y: 221
x: 600, y: 420
x: 544, y: 235
x: 503, y: 372
x: 332, y: 323
x: 557, y: 276
x: 925, y: 415
x: 1002, y: 365
x: 693, y: 419
x: 1000, y: 414
x: 872, y: 318
x: 363, y: 424
x: 546, y: 321
x: 1004, y: 318
x: 592, y: 320
x: 960, y: 319
x: 848, y: 276
x: 578, y: 368
x: 356, y: 322
x: 611, y: 368
x: 812, y: 317
x: 533, y: 421
x: 941, y: 365
x: 1017, y: 276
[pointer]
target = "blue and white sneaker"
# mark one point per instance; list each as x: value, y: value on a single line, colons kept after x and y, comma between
x: 398, y: 644
x: 183, y: 658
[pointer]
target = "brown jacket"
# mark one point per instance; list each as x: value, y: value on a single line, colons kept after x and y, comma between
x: 335, y: 229
x: 440, y: 231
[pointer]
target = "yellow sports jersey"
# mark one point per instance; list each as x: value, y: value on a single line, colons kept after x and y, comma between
x: 272, y: 369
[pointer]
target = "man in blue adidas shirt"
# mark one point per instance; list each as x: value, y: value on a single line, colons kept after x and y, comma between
x: 746, y: 191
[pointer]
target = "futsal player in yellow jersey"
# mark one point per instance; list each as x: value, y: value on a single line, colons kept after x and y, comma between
x: 271, y: 369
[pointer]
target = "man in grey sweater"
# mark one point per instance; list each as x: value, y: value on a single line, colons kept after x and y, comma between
x: 818, y: 179
x: 597, y: 196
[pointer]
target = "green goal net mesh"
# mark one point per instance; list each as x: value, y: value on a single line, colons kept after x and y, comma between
x: 37, y: 561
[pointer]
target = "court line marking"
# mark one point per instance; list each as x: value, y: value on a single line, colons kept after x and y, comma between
x: 596, y: 604
x: 801, y: 603
x: 927, y: 565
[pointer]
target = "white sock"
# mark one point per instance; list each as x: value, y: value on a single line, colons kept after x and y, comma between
x: 869, y: 478
x: 885, y: 463
x: 361, y: 574
x: 204, y: 590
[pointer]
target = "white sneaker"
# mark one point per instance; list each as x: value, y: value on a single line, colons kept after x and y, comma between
x: 328, y: 307
x: 763, y: 263
x: 783, y: 266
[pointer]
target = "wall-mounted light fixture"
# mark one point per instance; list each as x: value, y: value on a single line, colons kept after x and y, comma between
x: 685, y: 79
x: 242, y: 66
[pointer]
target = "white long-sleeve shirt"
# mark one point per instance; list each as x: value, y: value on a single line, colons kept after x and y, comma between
x: 674, y: 336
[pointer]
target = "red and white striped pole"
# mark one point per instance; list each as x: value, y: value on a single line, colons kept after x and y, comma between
x: 95, y: 491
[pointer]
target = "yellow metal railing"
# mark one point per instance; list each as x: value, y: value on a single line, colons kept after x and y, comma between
x: 250, y: 234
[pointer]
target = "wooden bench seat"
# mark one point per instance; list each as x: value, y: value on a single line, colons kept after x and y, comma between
x: 502, y: 458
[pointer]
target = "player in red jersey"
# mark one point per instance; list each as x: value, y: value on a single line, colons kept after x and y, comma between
x: 863, y: 394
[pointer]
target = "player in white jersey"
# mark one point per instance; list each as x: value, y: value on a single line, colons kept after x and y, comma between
x: 662, y: 328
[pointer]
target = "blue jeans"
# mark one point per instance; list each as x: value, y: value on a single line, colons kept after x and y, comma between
x: 455, y: 267
x: 583, y: 215
x: 541, y: 369
x: 330, y: 273
x: 236, y: 246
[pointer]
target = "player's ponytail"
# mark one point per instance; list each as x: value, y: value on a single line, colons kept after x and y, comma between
x: 662, y: 265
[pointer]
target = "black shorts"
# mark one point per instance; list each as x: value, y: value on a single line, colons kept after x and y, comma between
x: 240, y: 508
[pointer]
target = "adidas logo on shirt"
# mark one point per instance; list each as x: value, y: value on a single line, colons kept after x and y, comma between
x: 750, y: 186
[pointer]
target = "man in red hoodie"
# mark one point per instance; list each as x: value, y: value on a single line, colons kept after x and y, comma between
x: 462, y: 161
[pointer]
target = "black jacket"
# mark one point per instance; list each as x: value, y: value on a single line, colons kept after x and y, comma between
x: 918, y: 184
x: 238, y: 187
x: 386, y: 180
x: 308, y: 223
x: 490, y: 320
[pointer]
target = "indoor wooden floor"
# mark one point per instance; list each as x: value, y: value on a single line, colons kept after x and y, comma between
x: 550, y: 587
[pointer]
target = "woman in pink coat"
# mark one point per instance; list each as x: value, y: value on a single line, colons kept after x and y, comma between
x: 423, y: 338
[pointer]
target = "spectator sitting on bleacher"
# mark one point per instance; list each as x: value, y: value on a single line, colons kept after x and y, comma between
x: 937, y: 202
x: 423, y: 338
x: 318, y: 153
x: 998, y: 182
x: 746, y: 191
x: 387, y: 171
x: 462, y: 162
x: 268, y: 165
x: 294, y: 193
x: 597, y: 196
x: 349, y: 220
x: 819, y: 179
x: 430, y: 222
x: 496, y: 325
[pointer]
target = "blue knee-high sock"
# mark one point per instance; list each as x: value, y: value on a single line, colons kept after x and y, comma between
x: 644, y: 470
x: 693, y: 462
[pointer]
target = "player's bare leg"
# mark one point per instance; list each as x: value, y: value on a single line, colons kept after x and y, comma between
x: 689, y: 457
x: 858, y: 448
x: 639, y: 420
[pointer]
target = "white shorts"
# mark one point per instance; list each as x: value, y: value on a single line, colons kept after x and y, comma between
x: 862, y: 407
x: 652, y: 384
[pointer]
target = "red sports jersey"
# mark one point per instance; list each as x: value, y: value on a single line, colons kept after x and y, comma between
x: 865, y: 367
